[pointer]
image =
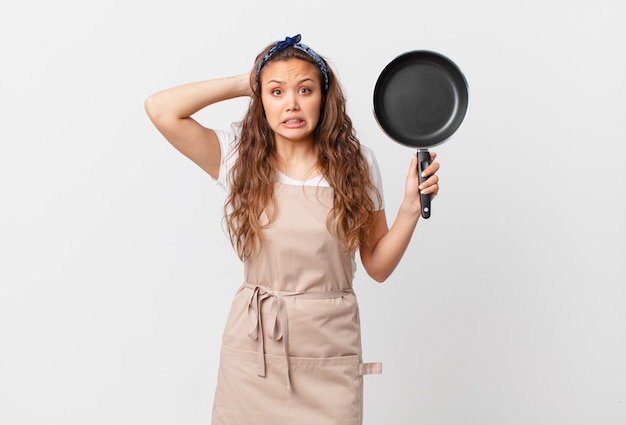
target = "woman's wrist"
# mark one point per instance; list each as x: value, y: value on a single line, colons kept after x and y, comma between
x: 409, y: 210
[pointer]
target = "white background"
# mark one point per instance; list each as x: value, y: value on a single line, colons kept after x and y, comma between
x: 116, y: 276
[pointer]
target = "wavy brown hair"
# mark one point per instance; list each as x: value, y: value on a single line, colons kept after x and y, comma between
x: 252, y: 177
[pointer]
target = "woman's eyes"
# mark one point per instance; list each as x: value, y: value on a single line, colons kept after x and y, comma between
x: 301, y: 90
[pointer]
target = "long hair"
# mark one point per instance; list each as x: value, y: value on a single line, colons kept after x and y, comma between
x: 253, y: 176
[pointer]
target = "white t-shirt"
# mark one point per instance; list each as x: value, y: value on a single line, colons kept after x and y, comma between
x: 227, y: 143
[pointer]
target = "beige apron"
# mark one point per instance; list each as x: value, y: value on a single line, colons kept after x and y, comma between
x: 291, y: 350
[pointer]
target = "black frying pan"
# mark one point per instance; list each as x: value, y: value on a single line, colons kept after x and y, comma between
x: 420, y: 100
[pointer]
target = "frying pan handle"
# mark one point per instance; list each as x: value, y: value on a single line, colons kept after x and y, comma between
x: 423, y: 161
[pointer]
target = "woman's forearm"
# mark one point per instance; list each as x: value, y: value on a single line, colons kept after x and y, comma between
x: 185, y: 100
x: 386, y: 255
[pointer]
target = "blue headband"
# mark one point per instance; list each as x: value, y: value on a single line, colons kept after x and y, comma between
x: 295, y: 42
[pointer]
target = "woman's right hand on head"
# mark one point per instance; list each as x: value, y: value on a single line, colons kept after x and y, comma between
x: 244, y: 82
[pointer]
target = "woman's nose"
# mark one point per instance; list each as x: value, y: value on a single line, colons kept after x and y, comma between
x: 292, y: 102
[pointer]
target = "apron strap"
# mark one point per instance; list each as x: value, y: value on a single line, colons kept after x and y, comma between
x: 370, y: 368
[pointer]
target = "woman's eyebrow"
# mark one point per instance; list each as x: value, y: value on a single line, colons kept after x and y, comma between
x: 275, y: 81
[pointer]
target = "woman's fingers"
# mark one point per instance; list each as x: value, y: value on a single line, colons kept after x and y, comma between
x: 430, y: 186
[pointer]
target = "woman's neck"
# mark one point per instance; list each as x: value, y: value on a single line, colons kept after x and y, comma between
x: 297, y: 160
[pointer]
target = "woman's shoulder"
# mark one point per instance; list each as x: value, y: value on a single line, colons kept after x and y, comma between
x: 368, y: 154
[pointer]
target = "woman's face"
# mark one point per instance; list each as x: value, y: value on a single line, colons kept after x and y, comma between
x: 292, y: 97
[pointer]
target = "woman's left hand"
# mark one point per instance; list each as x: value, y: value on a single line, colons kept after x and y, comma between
x: 429, y: 187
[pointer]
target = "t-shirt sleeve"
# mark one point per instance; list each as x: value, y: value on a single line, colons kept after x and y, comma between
x: 375, y: 177
x: 227, y: 149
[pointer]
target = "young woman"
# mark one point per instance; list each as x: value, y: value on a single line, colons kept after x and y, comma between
x: 303, y: 196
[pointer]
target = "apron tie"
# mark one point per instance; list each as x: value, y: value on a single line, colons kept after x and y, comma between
x: 278, y: 322
x: 278, y: 318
